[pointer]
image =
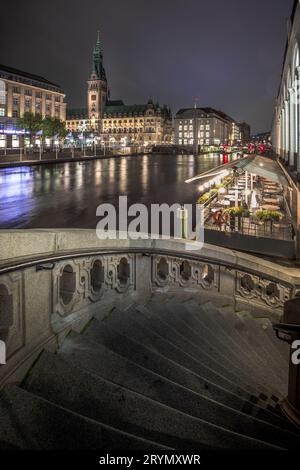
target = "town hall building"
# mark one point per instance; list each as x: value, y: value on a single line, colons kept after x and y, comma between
x: 115, y: 122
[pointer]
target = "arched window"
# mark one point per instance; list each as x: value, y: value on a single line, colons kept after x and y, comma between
x: 295, y: 114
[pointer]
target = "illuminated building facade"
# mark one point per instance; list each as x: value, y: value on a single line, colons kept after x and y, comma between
x: 286, y: 127
x: 114, y: 122
x: 22, y: 92
x: 210, y: 127
x: 245, y: 133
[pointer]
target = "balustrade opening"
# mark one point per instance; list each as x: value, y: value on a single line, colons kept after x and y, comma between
x: 67, y: 284
x: 123, y: 271
x: 6, y: 312
x: 97, y: 276
x: 185, y: 270
x: 163, y: 269
x: 208, y: 274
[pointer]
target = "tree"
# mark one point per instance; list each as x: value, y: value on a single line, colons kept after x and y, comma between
x: 54, y: 127
x: 31, y: 123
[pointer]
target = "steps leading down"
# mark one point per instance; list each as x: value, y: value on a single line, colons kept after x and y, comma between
x: 170, y: 374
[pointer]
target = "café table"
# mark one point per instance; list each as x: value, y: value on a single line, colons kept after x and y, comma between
x: 225, y: 202
x: 269, y: 207
x: 271, y: 200
x: 272, y: 191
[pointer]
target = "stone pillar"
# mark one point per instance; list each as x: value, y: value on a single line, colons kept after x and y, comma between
x: 22, y: 101
x: 286, y: 131
x: 297, y: 97
x: 9, y: 100
x: 282, y: 133
x: 291, y: 127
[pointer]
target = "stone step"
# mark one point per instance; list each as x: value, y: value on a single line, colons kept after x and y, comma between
x: 176, y: 317
x: 101, y: 400
x: 280, y: 347
x: 147, y: 333
x: 29, y: 422
x: 236, y: 398
x: 250, y: 331
x: 261, y: 341
x: 143, y: 354
x: 210, y: 318
x: 77, y: 351
x: 215, y: 318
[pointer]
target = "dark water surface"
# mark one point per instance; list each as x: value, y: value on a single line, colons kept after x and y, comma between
x: 66, y: 195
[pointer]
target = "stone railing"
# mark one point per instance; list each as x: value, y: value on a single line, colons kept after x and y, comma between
x: 52, y: 281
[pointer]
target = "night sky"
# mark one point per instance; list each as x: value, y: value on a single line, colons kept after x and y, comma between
x: 228, y: 53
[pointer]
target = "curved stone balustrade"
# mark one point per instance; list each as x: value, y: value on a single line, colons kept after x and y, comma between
x: 55, y: 280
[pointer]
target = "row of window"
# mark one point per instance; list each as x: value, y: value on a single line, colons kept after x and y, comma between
x: 190, y: 121
x: 38, y: 94
x: 191, y: 142
x: 191, y: 127
x: 191, y: 134
x: 129, y: 131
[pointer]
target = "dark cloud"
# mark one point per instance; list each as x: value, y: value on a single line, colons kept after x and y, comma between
x: 227, y: 53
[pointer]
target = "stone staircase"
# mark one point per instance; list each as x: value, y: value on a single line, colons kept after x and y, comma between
x: 175, y: 373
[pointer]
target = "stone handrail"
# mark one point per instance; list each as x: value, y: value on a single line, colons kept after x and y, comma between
x: 55, y: 280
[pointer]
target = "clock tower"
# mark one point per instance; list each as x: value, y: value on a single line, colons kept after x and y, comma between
x: 97, y: 87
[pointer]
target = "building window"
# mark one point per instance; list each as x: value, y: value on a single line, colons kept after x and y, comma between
x: 15, y: 113
x: 16, y: 101
x: 207, y: 127
x: 2, y: 141
x: 16, y: 89
x: 15, y: 141
x: 2, y: 112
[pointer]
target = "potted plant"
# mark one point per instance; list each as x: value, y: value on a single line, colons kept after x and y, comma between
x: 239, y: 212
x: 268, y: 216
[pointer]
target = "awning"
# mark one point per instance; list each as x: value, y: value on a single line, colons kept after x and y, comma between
x: 265, y: 167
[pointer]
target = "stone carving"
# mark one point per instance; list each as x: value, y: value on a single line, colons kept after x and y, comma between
x: 260, y: 290
x: 167, y: 271
x: 78, y: 282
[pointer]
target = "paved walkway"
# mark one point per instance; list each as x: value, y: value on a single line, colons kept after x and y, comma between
x: 11, y: 161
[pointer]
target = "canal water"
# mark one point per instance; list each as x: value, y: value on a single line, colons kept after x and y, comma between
x: 66, y: 195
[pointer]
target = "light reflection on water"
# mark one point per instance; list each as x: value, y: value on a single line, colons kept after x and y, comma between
x: 67, y: 195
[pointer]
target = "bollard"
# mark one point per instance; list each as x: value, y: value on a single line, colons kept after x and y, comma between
x: 182, y: 214
x: 288, y: 330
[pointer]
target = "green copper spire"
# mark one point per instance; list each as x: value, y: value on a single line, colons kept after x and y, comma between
x: 98, y: 68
